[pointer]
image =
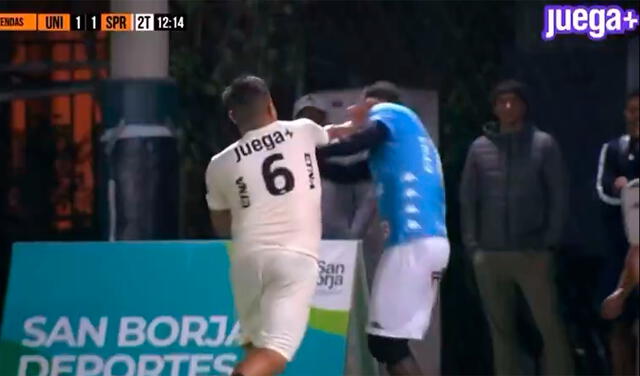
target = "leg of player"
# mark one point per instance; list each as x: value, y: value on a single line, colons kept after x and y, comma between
x: 622, y: 344
x: 404, y: 292
x: 407, y: 366
x: 247, y: 288
x: 289, y: 281
x: 260, y: 362
x: 247, y: 365
x: 395, y: 354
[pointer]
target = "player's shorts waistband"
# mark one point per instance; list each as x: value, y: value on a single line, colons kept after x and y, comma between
x: 241, y: 252
x: 418, y: 239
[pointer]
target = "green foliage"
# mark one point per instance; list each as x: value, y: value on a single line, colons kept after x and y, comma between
x: 452, y: 47
x: 225, y: 39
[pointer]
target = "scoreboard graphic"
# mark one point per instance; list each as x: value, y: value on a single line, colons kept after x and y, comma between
x: 92, y: 22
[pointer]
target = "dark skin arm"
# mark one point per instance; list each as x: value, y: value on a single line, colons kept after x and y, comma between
x: 365, y: 139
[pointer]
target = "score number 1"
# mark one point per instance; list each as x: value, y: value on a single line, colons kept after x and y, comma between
x: 82, y: 22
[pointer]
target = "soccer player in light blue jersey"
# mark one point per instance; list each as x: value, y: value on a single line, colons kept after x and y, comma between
x: 405, y: 166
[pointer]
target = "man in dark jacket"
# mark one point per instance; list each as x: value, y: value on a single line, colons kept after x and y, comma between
x: 619, y: 164
x: 513, y: 202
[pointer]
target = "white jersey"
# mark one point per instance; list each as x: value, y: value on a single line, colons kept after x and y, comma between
x: 269, y: 179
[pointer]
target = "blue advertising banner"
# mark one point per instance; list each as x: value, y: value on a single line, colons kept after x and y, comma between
x: 150, y: 309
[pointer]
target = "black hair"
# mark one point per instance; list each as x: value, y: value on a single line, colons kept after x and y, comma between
x: 633, y: 94
x: 509, y: 86
x: 246, y: 95
x: 383, y: 90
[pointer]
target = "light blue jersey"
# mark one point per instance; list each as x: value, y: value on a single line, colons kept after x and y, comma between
x: 407, y: 172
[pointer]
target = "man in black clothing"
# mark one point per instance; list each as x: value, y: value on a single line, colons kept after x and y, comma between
x: 619, y: 164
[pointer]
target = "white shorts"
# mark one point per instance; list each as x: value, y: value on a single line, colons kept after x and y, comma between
x: 405, y: 288
x: 273, y: 290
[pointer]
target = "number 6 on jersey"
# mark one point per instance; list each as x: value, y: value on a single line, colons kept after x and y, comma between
x: 270, y: 174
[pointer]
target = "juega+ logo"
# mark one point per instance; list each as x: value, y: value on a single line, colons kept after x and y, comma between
x: 594, y: 21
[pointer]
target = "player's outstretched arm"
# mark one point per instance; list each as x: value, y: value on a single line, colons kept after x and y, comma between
x: 358, y: 114
x: 338, y: 131
x: 362, y: 140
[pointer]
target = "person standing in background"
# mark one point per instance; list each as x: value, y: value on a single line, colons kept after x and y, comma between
x: 618, y: 165
x: 347, y: 209
x: 513, y: 201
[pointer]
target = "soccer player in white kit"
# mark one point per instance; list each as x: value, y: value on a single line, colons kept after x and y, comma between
x: 264, y: 191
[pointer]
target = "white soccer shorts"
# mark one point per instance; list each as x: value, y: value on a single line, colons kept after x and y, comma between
x: 405, y: 288
x: 273, y: 290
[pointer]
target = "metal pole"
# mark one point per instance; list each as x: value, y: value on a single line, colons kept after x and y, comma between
x: 140, y: 55
x: 139, y: 156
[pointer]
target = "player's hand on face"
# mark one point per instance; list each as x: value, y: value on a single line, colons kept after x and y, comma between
x: 359, y: 112
x: 613, y: 305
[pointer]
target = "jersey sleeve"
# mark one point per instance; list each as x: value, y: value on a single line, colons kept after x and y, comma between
x: 318, y: 133
x: 395, y: 118
x: 215, y: 196
x: 386, y: 118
